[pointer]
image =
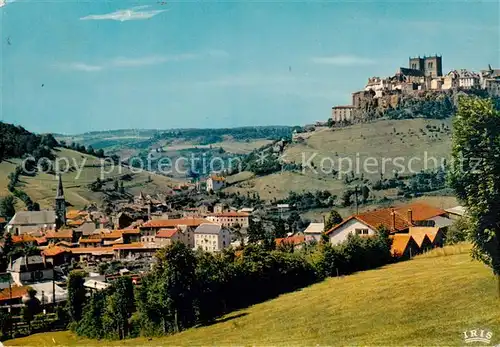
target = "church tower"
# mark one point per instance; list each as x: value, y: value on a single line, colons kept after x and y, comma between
x: 60, y: 207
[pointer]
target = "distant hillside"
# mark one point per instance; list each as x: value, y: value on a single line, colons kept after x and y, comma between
x: 421, y: 138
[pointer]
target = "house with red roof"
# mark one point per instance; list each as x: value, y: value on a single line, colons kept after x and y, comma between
x: 230, y: 218
x: 396, y: 219
x: 166, y: 237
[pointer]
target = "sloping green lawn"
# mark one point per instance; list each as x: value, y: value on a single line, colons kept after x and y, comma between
x: 426, y: 301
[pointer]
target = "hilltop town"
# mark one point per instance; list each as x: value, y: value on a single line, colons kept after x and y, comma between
x: 421, y: 80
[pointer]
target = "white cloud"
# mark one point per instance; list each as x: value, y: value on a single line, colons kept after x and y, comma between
x: 151, y: 60
x: 5, y: 2
x: 135, y: 13
x: 343, y: 60
x: 78, y: 66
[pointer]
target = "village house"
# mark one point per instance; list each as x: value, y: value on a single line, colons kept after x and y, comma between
x: 25, y: 222
x: 215, y: 183
x: 294, y: 241
x: 230, y: 219
x: 343, y: 113
x: 456, y: 212
x: 434, y: 234
x: 396, y: 220
x: 468, y: 79
x: 185, y: 225
x: 30, y: 269
x: 404, y: 246
x: 56, y: 255
x: 314, y: 231
x: 211, y: 237
x: 165, y: 237
x: 60, y: 235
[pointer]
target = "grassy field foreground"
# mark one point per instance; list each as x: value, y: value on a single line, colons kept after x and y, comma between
x: 427, y: 301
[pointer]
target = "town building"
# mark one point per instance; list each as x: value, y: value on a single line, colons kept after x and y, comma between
x: 185, y: 225
x: 165, y: 237
x: 395, y: 219
x: 30, y: 269
x: 314, y: 231
x: 468, y: 79
x: 230, y: 219
x: 211, y: 237
x: 215, y: 183
x: 25, y: 222
x: 343, y: 113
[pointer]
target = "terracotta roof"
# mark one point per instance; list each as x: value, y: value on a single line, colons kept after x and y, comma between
x: 89, y: 250
x: 292, y: 240
x: 230, y: 214
x: 166, y: 233
x: 17, y: 293
x: 23, y: 238
x: 53, y: 251
x: 172, y: 223
x: 90, y: 240
x: 75, y: 222
x: 399, y: 243
x: 420, y: 211
x: 115, y: 234
x: 130, y: 231
x: 384, y: 217
x: 61, y: 234
x: 71, y: 214
x: 134, y: 245
x: 2, y: 220
x: 430, y: 232
x: 217, y: 178
x: 41, y: 240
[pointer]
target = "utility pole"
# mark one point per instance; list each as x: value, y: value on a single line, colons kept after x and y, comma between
x: 356, y: 199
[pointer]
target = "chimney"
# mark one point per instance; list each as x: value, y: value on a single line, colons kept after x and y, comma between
x: 410, y: 216
x: 393, y: 219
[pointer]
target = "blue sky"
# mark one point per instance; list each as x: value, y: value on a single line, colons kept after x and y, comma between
x: 75, y: 66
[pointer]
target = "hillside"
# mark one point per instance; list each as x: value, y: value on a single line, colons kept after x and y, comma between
x: 42, y: 187
x: 430, y: 300
x: 420, y: 138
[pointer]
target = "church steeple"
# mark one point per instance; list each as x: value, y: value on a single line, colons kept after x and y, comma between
x: 60, y: 207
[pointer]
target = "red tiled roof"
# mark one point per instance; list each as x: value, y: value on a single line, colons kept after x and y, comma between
x: 420, y: 211
x: 292, y: 240
x: 17, y: 293
x: 89, y: 250
x: 397, y: 222
x: 217, y: 178
x: 399, y: 243
x: 61, y: 234
x: 53, y: 251
x: 134, y: 245
x: 90, y: 240
x: 41, y: 240
x: 130, y: 231
x: 23, y: 238
x: 172, y: 223
x: 430, y: 232
x: 166, y: 233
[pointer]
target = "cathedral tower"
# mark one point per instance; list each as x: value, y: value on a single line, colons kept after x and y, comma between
x: 60, y: 207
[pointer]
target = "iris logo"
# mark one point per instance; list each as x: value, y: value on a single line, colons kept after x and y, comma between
x: 477, y: 335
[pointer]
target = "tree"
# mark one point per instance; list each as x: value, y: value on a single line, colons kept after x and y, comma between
x: 332, y: 220
x: 255, y: 230
x: 279, y: 228
x: 119, y: 308
x: 7, y: 207
x: 365, y: 193
x: 346, y: 198
x: 76, y: 294
x: 31, y: 308
x: 475, y: 173
x: 458, y: 231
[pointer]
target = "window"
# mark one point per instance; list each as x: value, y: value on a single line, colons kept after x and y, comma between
x: 361, y: 231
x: 430, y: 65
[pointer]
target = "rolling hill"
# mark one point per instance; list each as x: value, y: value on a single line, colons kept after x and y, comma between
x: 42, y: 186
x: 427, y: 301
x: 383, y: 139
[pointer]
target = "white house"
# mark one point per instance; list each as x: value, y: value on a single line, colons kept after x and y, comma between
x: 313, y: 232
x: 29, y: 221
x: 229, y: 219
x: 396, y: 220
x: 215, y: 183
x: 212, y: 237
x: 31, y: 269
x: 468, y: 79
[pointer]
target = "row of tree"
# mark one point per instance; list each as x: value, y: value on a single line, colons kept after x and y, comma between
x: 188, y: 288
